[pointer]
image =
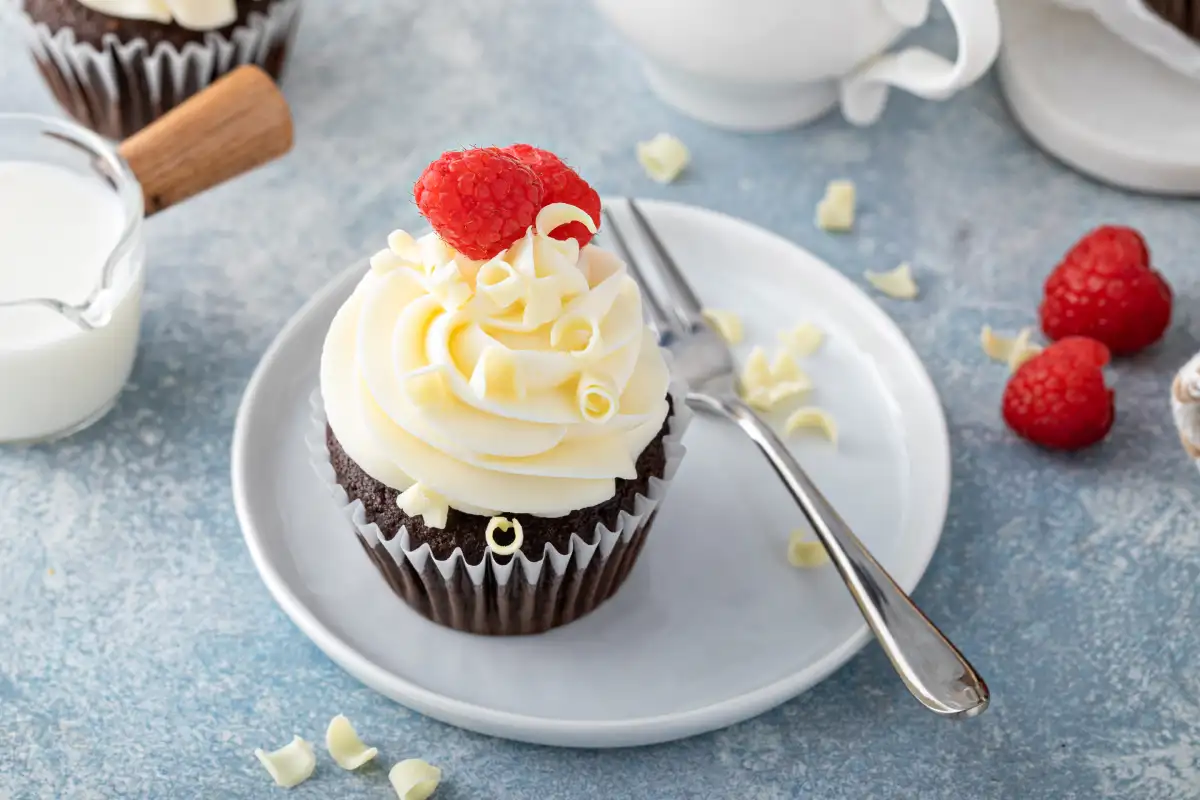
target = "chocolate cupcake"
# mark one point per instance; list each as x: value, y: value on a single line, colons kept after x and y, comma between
x: 117, y: 65
x: 1183, y: 14
x: 499, y: 430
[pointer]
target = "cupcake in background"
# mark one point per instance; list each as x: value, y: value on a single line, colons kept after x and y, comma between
x: 117, y: 65
x: 496, y: 421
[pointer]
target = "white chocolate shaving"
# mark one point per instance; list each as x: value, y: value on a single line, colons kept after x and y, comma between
x: 414, y: 779
x: 805, y: 554
x: 897, y: 283
x: 785, y: 370
x: 835, y: 212
x: 726, y: 323
x: 556, y: 214
x: 1014, y: 352
x: 385, y: 261
x: 290, y: 765
x: 576, y: 334
x: 598, y: 400
x: 663, y: 157
x: 765, y: 384
x: 764, y: 398
x: 803, y: 340
x: 417, y: 501
x: 504, y: 525
x: 344, y: 745
x: 810, y: 417
x: 447, y: 285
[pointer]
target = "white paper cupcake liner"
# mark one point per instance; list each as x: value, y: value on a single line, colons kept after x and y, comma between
x: 1185, y: 405
x: 125, y: 85
x: 522, y: 595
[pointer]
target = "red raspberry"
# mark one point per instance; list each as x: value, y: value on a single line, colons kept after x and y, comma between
x: 562, y: 185
x: 1106, y: 289
x: 479, y: 201
x: 1058, y: 399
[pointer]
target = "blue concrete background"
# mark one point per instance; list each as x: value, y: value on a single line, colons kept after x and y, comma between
x: 140, y: 655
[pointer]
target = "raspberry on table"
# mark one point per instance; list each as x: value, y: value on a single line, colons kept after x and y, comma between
x: 1058, y: 399
x: 561, y: 184
x: 480, y: 200
x: 1105, y: 289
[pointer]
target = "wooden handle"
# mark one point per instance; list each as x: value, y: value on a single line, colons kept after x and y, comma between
x: 240, y: 122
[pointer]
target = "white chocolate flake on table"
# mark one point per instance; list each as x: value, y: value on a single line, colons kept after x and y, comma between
x: 897, y: 283
x: 414, y: 779
x: 290, y: 765
x: 803, y: 340
x: 663, y: 157
x: 726, y: 323
x: 417, y: 501
x: 1014, y: 352
x: 811, y: 417
x: 835, y: 212
x: 805, y: 554
x: 504, y: 525
x: 344, y: 745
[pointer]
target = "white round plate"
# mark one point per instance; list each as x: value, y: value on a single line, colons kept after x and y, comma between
x: 713, y: 626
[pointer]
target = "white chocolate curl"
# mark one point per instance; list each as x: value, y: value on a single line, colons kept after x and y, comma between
x: 290, y: 765
x: 897, y: 283
x: 663, y: 157
x: 814, y: 418
x: 502, y: 524
x: 344, y: 745
x: 1185, y: 405
x: 417, y: 501
x: 835, y: 212
x: 805, y: 554
x: 803, y: 340
x: 414, y: 779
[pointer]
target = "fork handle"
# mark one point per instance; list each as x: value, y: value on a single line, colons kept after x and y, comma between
x: 931, y: 667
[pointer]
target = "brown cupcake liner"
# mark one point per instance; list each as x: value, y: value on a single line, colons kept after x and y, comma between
x: 521, y: 595
x: 123, y: 86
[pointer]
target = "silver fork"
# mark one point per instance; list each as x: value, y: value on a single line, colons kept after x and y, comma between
x: 931, y: 667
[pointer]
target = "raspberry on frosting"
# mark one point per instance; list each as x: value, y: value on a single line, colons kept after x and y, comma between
x: 561, y: 184
x: 480, y: 200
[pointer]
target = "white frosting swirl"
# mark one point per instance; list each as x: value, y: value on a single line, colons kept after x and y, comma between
x: 196, y: 15
x: 524, y: 384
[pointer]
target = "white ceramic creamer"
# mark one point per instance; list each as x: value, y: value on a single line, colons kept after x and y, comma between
x: 758, y: 65
x: 71, y: 270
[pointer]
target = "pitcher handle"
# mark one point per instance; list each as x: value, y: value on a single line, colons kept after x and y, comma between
x: 923, y: 72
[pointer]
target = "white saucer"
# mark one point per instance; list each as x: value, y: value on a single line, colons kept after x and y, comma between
x: 1097, y: 102
x: 713, y: 626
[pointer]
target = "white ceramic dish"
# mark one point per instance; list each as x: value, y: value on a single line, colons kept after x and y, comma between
x: 1097, y: 102
x: 676, y: 652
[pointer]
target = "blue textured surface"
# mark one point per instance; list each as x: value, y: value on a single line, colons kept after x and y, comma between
x: 140, y: 655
